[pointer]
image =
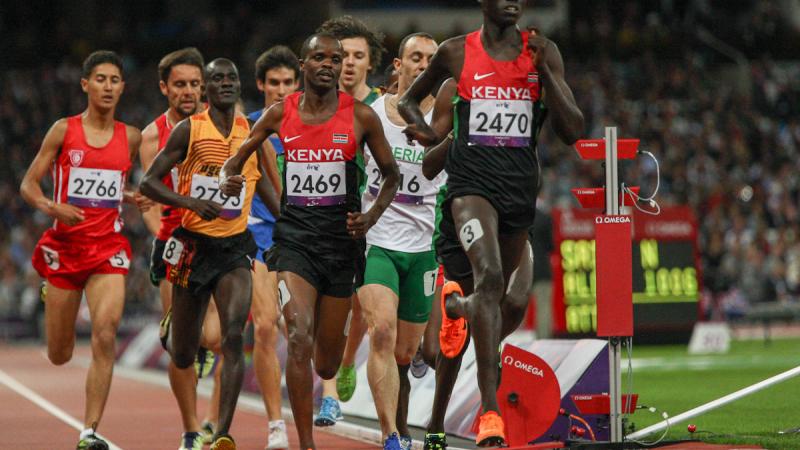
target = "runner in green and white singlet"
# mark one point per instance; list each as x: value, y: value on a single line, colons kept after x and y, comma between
x: 401, y: 269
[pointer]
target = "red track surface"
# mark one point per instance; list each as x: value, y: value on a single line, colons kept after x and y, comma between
x: 139, y: 415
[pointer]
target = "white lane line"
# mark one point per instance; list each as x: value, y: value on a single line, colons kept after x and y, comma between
x: 37, y: 399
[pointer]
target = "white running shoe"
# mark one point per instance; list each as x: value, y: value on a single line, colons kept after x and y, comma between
x: 277, y: 435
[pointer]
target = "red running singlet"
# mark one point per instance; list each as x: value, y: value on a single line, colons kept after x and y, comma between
x: 170, y: 215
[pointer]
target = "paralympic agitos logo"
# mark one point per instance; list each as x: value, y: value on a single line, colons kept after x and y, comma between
x: 530, y: 368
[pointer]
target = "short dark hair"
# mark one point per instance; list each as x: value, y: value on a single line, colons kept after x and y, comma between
x: 347, y: 27
x: 405, y: 40
x: 100, y: 57
x: 307, y: 43
x: 274, y: 58
x: 189, y: 56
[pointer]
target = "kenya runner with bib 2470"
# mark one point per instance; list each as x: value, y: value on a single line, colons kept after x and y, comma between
x: 505, y: 79
x: 322, y: 130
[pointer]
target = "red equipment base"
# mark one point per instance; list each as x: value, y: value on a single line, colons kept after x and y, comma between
x: 529, y: 396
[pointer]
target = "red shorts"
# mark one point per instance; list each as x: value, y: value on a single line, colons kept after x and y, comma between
x: 67, y: 265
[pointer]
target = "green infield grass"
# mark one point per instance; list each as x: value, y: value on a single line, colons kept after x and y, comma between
x: 671, y: 380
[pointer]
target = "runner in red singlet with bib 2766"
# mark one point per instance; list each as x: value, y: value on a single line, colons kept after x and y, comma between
x: 89, y: 156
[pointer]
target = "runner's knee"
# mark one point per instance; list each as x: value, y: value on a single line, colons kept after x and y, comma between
x: 430, y: 349
x: 382, y: 335
x: 489, y: 281
x: 60, y: 354
x: 183, y: 357
x: 326, y: 372
x: 300, y: 344
x: 266, y: 332
x: 404, y: 354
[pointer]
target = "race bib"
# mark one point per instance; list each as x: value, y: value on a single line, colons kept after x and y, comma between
x: 94, y: 188
x: 51, y: 258
x: 409, y: 191
x: 120, y: 260
x: 207, y: 188
x: 315, y: 183
x: 172, y: 251
x: 500, y: 123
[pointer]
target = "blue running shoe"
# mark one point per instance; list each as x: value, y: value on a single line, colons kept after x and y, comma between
x: 329, y: 413
x: 392, y: 442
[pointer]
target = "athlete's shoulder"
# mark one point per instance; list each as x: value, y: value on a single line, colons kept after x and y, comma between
x: 134, y: 136
x: 452, y: 44
x: 151, y: 130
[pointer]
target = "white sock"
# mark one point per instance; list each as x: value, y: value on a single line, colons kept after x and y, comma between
x: 277, y: 423
x: 86, y: 432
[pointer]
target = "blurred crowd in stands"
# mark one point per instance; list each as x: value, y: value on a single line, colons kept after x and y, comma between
x: 728, y: 149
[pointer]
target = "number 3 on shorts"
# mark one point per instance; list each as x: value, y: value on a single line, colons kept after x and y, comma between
x: 172, y: 251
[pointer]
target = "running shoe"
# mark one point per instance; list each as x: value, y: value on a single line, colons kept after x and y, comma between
x: 207, y: 430
x: 491, y: 430
x: 192, y: 440
x: 418, y: 365
x: 346, y: 382
x: 204, y: 362
x: 277, y: 435
x: 92, y: 442
x: 163, y: 328
x: 392, y: 442
x: 224, y: 442
x: 406, y: 443
x: 329, y: 413
x: 435, y: 441
x: 453, y: 333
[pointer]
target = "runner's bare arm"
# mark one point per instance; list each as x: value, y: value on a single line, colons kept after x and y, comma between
x: 442, y: 124
x: 230, y: 179
x: 358, y: 224
x: 565, y: 116
x: 408, y: 106
x: 30, y: 188
x: 147, y: 153
x: 129, y: 196
x: 174, y: 152
x: 265, y: 189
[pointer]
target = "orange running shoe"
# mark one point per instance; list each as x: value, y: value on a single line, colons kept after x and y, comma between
x: 453, y: 332
x: 491, y: 430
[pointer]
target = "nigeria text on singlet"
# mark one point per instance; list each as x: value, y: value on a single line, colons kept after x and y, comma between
x: 91, y: 178
x: 198, y: 176
x: 322, y: 179
x: 407, y: 225
x: 498, y: 115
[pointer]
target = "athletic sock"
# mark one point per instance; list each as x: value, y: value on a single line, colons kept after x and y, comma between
x: 86, y: 433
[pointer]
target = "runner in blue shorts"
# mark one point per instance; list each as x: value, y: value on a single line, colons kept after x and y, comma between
x: 277, y: 75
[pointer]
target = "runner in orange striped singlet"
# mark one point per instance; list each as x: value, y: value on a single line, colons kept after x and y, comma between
x: 212, y: 251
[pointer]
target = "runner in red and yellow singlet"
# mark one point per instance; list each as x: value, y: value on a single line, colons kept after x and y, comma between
x: 212, y: 251
x: 506, y: 81
x: 84, y: 252
x: 181, y: 82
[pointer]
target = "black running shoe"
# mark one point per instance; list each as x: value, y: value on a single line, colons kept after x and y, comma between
x: 435, y: 441
x: 163, y: 328
x: 92, y: 442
